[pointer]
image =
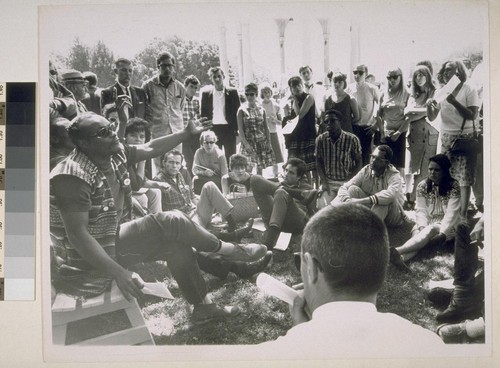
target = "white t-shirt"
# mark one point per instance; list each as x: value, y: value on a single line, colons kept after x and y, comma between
x: 449, y: 119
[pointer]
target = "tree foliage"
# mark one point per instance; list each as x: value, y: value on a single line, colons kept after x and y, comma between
x: 102, y: 62
x: 79, y: 56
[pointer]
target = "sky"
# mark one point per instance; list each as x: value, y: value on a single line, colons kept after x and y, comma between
x: 390, y: 33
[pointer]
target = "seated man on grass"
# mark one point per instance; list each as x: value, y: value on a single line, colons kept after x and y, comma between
x: 91, y: 229
x: 344, y: 256
x: 286, y: 205
x: 379, y: 186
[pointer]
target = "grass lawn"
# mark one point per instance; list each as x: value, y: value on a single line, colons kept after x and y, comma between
x: 265, y: 318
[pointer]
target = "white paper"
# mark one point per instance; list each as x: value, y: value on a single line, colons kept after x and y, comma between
x: 290, y: 126
x: 157, y: 289
x: 283, y: 241
x: 445, y: 284
x: 258, y: 224
x: 442, y: 93
x: 276, y: 288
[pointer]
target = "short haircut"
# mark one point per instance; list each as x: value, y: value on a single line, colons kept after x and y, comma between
x: 191, y: 79
x: 362, y: 66
x: 304, y: 68
x: 251, y: 87
x: 387, y: 151
x: 238, y: 160
x: 90, y: 77
x: 174, y: 152
x: 265, y: 87
x: 137, y: 125
x: 428, y: 64
x: 214, y: 70
x: 339, y: 77
x: 207, y: 134
x: 164, y: 56
x: 461, y: 71
x: 299, y: 164
x: 294, y: 81
x: 335, y: 113
x: 122, y: 61
x: 351, y: 244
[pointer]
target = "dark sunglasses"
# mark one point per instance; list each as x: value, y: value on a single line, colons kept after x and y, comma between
x: 104, y: 132
x: 358, y: 72
x: 392, y: 77
x: 249, y: 94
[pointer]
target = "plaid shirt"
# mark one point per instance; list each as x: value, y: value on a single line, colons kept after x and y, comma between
x: 191, y: 110
x: 339, y: 158
x: 179, y: 196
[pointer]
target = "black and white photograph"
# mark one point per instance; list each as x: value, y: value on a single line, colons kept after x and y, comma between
x: 265, y: 181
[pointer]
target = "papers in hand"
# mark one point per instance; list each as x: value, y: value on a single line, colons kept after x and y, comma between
x: 157, y: 289
x: 443, y: 92
x: 276, y: 288
x: 290, y: 126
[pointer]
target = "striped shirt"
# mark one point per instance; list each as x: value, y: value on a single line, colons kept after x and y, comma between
x: 338, y: 158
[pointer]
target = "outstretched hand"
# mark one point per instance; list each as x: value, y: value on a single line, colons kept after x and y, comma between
x: 205, y: 124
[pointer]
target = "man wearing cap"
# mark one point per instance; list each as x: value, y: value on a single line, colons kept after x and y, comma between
x: 71, y: 106
x: 220, y: 104
x: 93, y: 237
x: 367, y: 96
x: 165, y: 102
x: 338, y: 155
x: 379, y: 186
x: 122, y: 91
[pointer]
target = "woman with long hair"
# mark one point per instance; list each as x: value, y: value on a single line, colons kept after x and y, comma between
x: 393, y: 125
x: 422, y: 136
x: 437, y: 210
x: 458, y: 110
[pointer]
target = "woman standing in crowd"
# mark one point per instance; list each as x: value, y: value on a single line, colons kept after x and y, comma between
x: 459, y: 109
x: 422, y: 137
x: 209, y: 163
x: 273, y: 119
x: 341, y: 101
x: 393, y: 125
x: 301, y: 141
x: 437, y: 210
x: 254, y: 133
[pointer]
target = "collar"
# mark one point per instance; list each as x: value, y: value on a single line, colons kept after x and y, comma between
x: 122, y: 86
x: 157, y: 80
x: 339, y: 309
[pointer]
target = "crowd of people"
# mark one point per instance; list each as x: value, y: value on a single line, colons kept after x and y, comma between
x: 137, y: 174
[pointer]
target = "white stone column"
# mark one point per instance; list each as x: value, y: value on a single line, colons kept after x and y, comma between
x: 224, y: 62
x: 247, y: 55
x: 355, y: 48
x: 282, y: 23
x: 326, y: 48
x: 241, y: 71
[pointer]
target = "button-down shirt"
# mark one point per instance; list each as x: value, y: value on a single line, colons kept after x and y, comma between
x: 191, y: 111
x: 179, y: 196
x: 164, y: 106
x: 219, y: 101
x: 339, y: 157
x: 384, y: 189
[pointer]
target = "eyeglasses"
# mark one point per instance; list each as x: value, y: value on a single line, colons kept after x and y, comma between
x: 209, y: 142
x: 358, y: 72
x: 249, y: 94
x: 163, y: 66
x: 392, y: 77
x: 104, y: 132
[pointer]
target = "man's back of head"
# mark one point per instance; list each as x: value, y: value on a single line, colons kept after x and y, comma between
x: 350, y: 246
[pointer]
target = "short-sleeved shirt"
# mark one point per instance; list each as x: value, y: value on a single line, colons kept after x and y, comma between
x: 365, y: 94
x: 450, y: 120
x: 339, y: 157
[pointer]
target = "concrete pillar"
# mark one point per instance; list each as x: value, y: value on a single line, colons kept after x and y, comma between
x: 240, y: 57
x: 224, y: 62
x: 282, y: 23
x: 326, y: 48
x: 247, y: 55
x: 355, y: 48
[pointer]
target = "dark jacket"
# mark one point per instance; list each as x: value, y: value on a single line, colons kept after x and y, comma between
x: 138, y: 95
x: 232, y: 104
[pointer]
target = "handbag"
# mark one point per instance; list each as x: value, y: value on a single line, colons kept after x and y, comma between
x: 466, y: 146
x: 243, y: 202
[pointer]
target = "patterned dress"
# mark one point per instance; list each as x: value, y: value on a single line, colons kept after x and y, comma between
x: 254, y: 129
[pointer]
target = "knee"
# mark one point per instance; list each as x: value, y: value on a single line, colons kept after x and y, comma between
x: 171, y: 217
x: 209, y: 186
x: 281, y: 194
x: 255, y: 182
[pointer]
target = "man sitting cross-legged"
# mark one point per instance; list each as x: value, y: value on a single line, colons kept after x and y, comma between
x: 379, y: 186
x: 92, y: 234
x: 344, y: 256
x: 279, y: 210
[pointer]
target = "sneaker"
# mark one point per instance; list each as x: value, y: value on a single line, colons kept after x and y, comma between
x: 245, y: 270
x: 204, y: 313
x: 247, y: 252
x: 397, y: 261
x: 453, y: 333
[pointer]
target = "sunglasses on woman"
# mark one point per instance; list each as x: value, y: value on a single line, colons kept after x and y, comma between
x: 392, y: 77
